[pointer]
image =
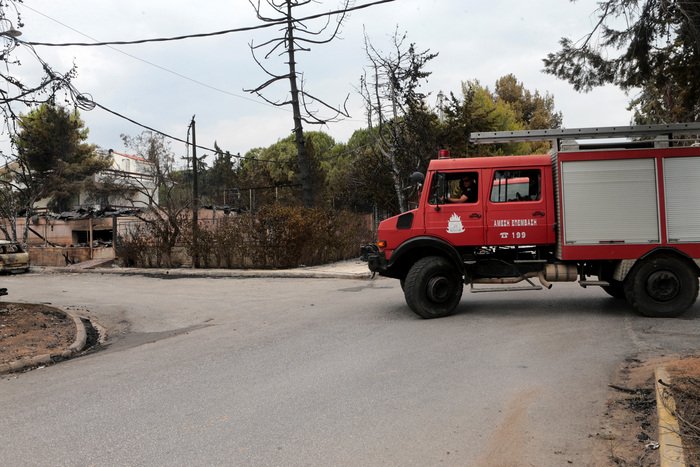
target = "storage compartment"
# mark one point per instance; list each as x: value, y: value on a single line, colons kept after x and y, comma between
x: 610, y: 202
x: 682, y: 183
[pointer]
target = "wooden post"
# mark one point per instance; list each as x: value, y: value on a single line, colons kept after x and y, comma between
x: 115, y: 235
x: 90, y: 235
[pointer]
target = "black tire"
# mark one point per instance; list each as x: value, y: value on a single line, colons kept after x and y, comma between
x: 433, y: 287
x: 616, y: 289
x: 662, y: 287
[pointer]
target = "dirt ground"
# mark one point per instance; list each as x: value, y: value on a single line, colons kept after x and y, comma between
x: 628, y: 434
x: 31, y: 330
x: 628, y: 430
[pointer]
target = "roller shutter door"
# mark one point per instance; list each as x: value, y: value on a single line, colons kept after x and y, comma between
x: 610, y: 201
x: 682, y: 185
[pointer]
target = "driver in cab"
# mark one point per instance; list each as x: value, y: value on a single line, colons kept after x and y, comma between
x: 465, y: 192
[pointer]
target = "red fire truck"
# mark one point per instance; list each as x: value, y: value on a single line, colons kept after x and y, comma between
x: 624, y: 216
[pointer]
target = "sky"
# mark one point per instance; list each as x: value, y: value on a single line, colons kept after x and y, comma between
x: 163, y: 85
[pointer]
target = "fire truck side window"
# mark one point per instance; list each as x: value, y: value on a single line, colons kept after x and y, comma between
x: 463, y: 187
x: 516, y: 185
x: 458, y: 187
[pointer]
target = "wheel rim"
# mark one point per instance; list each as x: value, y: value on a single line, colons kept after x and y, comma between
x: 663, y: 286
x: 439, y: 289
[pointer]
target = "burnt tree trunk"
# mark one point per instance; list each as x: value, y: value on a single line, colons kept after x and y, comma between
x: 307, y: 195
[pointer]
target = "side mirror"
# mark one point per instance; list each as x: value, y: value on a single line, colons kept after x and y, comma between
x: 416, y: 178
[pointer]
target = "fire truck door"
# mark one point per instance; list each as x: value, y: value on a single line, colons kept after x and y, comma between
x: 455, y: 211
x: 516, y: 208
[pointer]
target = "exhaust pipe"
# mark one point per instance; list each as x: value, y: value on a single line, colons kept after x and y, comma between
x: 551, y: 273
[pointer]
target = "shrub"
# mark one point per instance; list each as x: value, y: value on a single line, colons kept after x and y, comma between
x: 135, y: 247
x: 274, y: 237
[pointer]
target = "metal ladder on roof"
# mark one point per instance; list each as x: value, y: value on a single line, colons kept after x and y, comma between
x: 561, y: 137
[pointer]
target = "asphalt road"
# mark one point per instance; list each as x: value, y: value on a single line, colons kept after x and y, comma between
x: 290, y: 372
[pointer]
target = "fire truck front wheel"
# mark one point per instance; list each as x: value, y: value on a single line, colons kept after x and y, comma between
x: 662, y: 286
x: 433, y: 287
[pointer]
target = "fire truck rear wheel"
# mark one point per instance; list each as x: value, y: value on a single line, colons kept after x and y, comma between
x: 433, y: 287
x: 662, y: 286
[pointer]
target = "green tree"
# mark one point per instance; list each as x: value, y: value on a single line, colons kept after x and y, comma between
x: 478, y: 110
x: 51, y: 146
x: 532, y: 109
x: 219, y: 181
x: 361, y: 176
x: 273, y: 172
x: 652, y: 45
x: 511, y: 107
x: 252, y: 176
x: 19, y: 91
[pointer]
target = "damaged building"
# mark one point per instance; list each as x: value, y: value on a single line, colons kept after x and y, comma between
x: 76, y: 236
x: 89, y: 230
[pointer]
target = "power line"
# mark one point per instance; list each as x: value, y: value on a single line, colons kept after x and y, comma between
x: 207, y: 34
x: 168, y: 70
x: 155, y: 65
x: 205, y: 148
x: 174, y: 138
x: 85, y: 101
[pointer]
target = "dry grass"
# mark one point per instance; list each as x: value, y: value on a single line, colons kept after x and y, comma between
x: 685, y: 391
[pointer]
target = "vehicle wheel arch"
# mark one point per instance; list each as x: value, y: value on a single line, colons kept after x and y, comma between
x: 419, y: 247
x: 623, y: 270
x: 672, y: 252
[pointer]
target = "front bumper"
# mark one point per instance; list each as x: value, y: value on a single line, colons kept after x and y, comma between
x: 376, y: 261
x: 14, y: 268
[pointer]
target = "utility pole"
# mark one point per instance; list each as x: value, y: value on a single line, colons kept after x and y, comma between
x: 195, y: 199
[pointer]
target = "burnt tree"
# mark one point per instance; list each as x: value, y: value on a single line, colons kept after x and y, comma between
x: 297, y: 37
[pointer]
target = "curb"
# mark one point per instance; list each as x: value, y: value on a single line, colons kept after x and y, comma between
x: 670, y: 444
x: 74, y: 348
x: 180, y: 273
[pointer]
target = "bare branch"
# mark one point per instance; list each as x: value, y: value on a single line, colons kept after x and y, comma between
x: 269, y: 73
x: 333, y: 35
x: 293, y: 44
x: 301, y: 24
x: 267, y: 83
x: 266, y: 43
x: 299, y: 48
x: 257, y: 9
x: 276, y: 104
x: 339, y: 111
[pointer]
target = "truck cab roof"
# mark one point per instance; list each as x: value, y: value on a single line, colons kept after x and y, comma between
x: 489, y: 162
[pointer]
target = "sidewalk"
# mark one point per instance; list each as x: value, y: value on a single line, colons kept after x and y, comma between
x: 350, y: 269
